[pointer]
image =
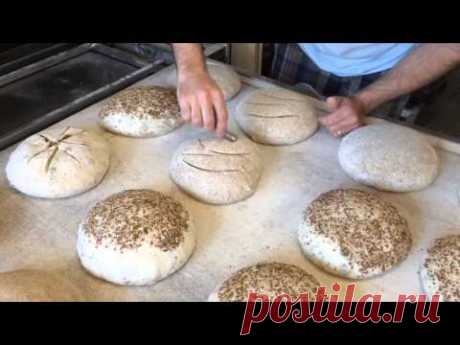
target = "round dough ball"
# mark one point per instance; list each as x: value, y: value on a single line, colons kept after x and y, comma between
x: 217, y: 171
x: 389, y: 157
x: 223, y: 74
x: 37, y: 286
x: 144, y: 111
x: 440, y: 273
x: 271, y: 279
x: 135, y: 237
x: 276, y: 116
x: 354, y: 234
x: 58, y: 163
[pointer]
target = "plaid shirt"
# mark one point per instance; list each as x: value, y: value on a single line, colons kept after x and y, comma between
x: 292, y: 66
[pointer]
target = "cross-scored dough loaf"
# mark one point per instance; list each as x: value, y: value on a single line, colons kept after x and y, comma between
x: 58, y: 163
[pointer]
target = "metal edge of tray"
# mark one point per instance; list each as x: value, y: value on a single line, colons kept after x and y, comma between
x: 10, y: 66
x: 80, y: 103
x: 121, y: 55
x: 69, y: 54
x: 44, y: 64
x: 438, y: 140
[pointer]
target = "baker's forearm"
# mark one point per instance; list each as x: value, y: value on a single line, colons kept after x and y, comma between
x: 189, y: 58
x: 424, y: 65
x: 200, y: 99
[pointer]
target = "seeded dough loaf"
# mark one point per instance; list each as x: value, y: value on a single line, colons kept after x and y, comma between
x: 440, y: 273
x: 58, y: 163
x: 143, y: 111
x: 389, y: 157
x: 354, y: 234
x: 271, y: 279
x: 276, y: 116
x: 217, y: 171
x: 223, y: 74
x: 37, y: 286
x: 136, y: 237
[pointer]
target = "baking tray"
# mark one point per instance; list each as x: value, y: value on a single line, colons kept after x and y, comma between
x: 37, y: 95
x: 42, y: 234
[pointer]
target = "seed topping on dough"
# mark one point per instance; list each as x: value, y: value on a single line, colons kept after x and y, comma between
x: 129, y: 218
x: 144, y: 102
x: 368, y: 230
x: 272, y: 279
x: 443, y: 264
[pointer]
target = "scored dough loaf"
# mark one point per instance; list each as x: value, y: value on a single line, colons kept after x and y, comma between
x: 354, y: 234
x: 217, y: 171
x: 143, y: 111
x: 271, y: 279
x: 389, y: 157
x: 440, y: 272
x: 58, y: 163
x: 37, y: 286
x: 136, y: 237
x: 276, y: 116
x: 223, y: 74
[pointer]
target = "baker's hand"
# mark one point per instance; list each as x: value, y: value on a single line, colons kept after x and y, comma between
x: 202, y: 102
x: 346, y: 115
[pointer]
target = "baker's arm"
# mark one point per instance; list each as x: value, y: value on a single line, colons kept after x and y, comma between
x: 200, y: 98
x: 423, y: 65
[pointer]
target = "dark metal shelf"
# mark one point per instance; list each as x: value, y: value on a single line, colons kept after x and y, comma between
x: 40, y: 94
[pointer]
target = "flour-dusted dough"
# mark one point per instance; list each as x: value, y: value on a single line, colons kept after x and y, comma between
x: 276, y: 116
x: 143, y: 111
x: 136, y: 237
x: 58, y: 163
x: 271, y: 279
x: 389, y: 157
x: 440, y: 273
x: 223, y: 74
x: 217, y: 171
x: 37, y: 286
x: 354, y: 234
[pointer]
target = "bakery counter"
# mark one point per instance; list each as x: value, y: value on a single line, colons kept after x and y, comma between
x: 41, y: 234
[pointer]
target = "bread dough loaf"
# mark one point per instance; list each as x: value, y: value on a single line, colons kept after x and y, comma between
x: 271, y: 279
x: 143, y: 111
x: 354, y: 234
x: 440, y: 272
x: 276, y: 116
x: 37, y: 286
x: 389, y: 157
x: 58, y: 163
x: 217, y: 171
x: 223, y: 74
x: 136, y: 237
